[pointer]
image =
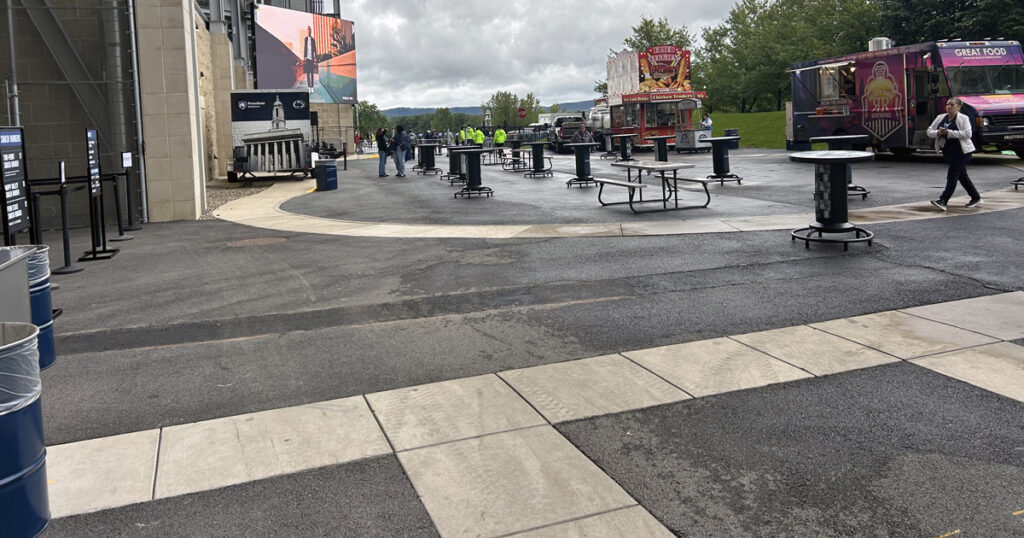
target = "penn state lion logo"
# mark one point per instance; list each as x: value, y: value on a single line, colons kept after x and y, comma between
x: 882, y: 102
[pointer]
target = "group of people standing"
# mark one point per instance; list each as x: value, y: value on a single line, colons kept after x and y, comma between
x: 399, y: 147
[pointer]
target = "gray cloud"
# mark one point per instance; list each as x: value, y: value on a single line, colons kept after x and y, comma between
x: 434, y: 53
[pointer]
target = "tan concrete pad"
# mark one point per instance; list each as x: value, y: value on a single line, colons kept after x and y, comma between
x: 590, y: 387
x: 1000, y: 316
x: 815, y: 351
x: 769, y: 222
x: 440, y: 412
x: 673, y: 227
x: 996, y: 367
x: 101, y: 473
x: 902, y: 335
x: 715, y: 366
x: 633, y: 521
x: 217, y: 453
x: 508, y: 482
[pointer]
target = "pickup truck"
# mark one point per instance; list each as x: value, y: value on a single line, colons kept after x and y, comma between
x: 562, y: 129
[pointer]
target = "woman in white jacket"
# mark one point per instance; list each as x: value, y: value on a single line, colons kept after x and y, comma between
x: 952, y: 134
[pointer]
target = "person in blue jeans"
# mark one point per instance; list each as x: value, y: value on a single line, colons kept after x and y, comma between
x: 952, y: 134
x: 382, y: 150
x: 402, y: 145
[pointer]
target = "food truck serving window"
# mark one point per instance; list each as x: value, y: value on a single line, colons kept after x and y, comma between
x: 660, y: 114
x: 618, y: 116
x: 632, y: 115
x: 836, y: 81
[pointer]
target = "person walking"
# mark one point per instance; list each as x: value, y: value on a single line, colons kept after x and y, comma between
x: 401, y: 145
x: 381, y: 136
x: 952, y: 134
x: 478, y: 137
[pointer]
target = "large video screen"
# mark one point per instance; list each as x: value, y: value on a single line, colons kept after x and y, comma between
x: 300, y: 50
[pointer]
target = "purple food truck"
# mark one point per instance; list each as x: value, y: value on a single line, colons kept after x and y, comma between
x: 892, y: 94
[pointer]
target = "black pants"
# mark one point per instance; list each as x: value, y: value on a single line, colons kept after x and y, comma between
x: 958, y: 172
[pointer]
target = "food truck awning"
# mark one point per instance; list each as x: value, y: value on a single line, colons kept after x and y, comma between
x: 835, y: 64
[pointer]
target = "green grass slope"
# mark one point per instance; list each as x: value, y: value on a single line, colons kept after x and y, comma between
x: 757, y: 129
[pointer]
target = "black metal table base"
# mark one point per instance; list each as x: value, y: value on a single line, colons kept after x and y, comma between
x: 539, y: 173
x: 610, y: 155
x: 454, y: 178
x: 1017, y: 182
x: 722, y: 178
x: 468, y: 192
x: 580, y: 182
x: 857, y: 190
x: 807, y: 236
x: 434, y: 170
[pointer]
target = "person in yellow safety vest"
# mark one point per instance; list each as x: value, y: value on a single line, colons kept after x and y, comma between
x: 462, y: 136
x: 499, y: 137
x: 478, y: 137
x: 469, y: 134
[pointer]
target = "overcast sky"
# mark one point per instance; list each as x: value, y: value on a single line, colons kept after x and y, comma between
x: 445, y: 53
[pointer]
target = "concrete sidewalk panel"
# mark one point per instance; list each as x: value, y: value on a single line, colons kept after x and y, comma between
x: 996, y: 367
x: 999, y: 316
x: 441, y: 412
x: 815, y: 351
x: 714, y: 366
x: 902, y: 335
x: 589, y: 387
x: 508, y: 482
x: 221, y: 452
x: 101, y: 473
x: 633, y: 521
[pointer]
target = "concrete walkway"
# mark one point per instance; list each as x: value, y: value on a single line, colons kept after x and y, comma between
x: 481, y: 451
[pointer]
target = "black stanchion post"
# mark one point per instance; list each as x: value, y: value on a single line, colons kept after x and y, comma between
x: 121, y: 236
x: 97, y: 220
x: 36, y: 231
x: 68, y: 266
x: 344, y: 153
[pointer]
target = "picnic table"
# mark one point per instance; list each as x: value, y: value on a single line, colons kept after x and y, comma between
x: 669, y: 185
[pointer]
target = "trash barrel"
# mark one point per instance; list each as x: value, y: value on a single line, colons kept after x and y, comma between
x: 326, y: 172
x: 735, y: 144
x: 24, y: 502
x: 42, y: 306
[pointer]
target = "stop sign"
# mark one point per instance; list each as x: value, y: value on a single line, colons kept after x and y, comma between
x: 521, y: 112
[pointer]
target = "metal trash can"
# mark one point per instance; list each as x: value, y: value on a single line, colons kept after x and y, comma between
x: 24, y: 501
x: 735, y: 144
x: 326, y: 172
x: 40, y: 302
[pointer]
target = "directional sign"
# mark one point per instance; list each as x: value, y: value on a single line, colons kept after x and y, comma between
x: 93, y: 151
x: 14, y: 196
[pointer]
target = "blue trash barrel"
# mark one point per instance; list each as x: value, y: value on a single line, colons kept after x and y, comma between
x: 24, y: 502
x: 42, y: 307
x: 735, y: 144
x: 326, y: 175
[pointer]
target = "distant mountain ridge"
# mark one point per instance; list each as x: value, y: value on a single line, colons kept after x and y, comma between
x: 399, y: 112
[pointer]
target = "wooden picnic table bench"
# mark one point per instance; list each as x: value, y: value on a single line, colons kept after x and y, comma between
x: 669, y: 184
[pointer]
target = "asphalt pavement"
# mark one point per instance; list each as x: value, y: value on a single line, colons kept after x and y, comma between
x: 194, y: 321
